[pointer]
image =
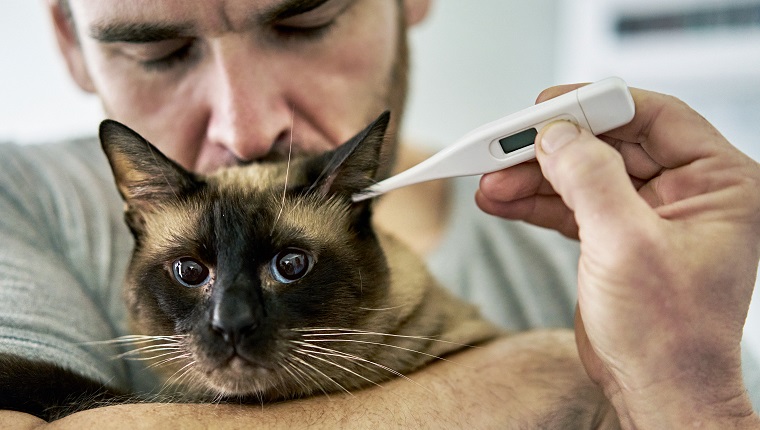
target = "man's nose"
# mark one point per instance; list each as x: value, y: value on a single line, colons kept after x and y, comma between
x: 249, y: 112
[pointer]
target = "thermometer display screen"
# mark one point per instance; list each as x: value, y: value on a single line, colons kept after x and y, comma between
x: 518, y: 140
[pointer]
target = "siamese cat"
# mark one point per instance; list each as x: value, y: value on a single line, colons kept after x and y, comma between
x: 265, y: 282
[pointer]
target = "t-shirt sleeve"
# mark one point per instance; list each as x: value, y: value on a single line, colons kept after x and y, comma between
x: 59, y: 240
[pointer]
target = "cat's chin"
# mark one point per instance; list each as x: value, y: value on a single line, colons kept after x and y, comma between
x: 238, y: 367
x: 240, y: 377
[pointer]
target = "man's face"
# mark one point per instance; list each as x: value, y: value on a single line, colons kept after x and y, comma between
x: 216, y: 82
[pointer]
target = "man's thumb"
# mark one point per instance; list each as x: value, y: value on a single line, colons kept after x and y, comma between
x: 591, y: 178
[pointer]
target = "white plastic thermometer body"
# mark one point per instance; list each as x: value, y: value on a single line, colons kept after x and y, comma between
x: 598, y: 107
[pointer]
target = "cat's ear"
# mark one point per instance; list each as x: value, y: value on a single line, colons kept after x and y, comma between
x: 144, y: 176
x: 352, y: 166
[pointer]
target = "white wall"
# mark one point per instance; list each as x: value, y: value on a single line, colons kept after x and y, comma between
x: 716, y: 69
x: 38, y: 101
x: 474, y: 61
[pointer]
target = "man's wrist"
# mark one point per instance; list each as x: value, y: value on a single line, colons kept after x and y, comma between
x: 663, y: 408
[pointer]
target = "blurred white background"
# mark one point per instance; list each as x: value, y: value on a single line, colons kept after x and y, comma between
x: 473, y: 62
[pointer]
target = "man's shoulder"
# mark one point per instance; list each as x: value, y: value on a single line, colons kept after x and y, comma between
x: 42, y: 172
x: 58, y: 195
x: 62, y: 260
x: 59, y: 157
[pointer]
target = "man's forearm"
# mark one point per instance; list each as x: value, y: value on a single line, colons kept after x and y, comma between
x: 532, y: 379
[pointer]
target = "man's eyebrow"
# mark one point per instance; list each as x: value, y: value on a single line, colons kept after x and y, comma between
x: 143, y: 32
x: 146, y: 32
x: 289, y: 8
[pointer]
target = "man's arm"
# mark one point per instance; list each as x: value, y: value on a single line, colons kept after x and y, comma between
x: 530, y: 380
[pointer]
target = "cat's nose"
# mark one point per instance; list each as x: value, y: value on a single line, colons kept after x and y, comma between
x: 235, y: 319
x: 233, y: 333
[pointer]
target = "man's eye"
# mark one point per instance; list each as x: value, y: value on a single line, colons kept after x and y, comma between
x: 161, y: 55
x: 314, y: 23
x: 181, y: 55
x: 311, y: 32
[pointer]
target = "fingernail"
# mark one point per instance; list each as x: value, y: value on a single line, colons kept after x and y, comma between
x: 557, y: 135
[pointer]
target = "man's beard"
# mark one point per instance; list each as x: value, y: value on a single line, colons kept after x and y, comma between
x: 395, y: 98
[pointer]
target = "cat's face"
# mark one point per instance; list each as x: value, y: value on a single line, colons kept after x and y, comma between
x: 246, y: 271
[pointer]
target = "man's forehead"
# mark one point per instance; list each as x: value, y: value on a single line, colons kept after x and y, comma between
x: 191, y: 15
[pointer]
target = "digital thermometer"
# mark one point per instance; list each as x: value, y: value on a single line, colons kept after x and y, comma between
x: 598, y: 107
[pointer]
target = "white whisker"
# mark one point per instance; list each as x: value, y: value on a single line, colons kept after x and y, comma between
x: 287, y: 171
x: 305, y: 374
x: 169, y: 360
x: 136, y: 340
x: 326, y: 331
x: 286, y: 365
x: 390, y: 308
x: 148, y: 349
x: 322, y: 373
x: 183, y: 371
x: 314, y: 355
x: 217, y: 397
x: 386, y: 345
x: 153, y: 357
x: 357, y: 358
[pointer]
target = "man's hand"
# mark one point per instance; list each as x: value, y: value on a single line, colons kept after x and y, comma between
x: 668, y: 216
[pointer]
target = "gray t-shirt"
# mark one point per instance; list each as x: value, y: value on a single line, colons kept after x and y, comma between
x: 64, y: 249
x: 63, y: 253
x: 520, y: 275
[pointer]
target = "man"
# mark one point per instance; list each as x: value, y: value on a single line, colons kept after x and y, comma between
x: 214, y: 83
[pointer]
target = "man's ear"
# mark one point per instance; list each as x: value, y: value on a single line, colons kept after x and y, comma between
x: 415, y: 11
x: 68, y: 44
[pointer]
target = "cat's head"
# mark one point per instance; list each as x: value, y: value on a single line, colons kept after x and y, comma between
x: 238, y: 268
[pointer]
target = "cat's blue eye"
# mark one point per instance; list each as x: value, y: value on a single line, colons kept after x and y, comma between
x: 190, y: 272
x: 291, y: 265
